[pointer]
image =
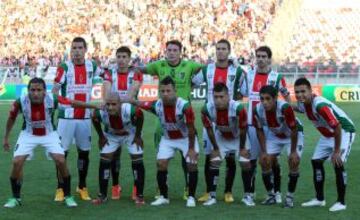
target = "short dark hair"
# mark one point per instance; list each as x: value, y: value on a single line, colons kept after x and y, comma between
x: 265, y: 49
x: 80, y: 40
x: 220, y: 87
x: 175, y: 42
x: 271, y: 90
x: 168, y: 81
x: 124, y: 49
x: 37, y: 80
x: 224, y: 41
x: 302, y: 81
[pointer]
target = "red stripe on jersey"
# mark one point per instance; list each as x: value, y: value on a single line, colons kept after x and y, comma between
x: 122, y: 81
x: 271, y: 119
x: 309, y: 113
x: 59, y: 74
x: 79, y: 113
x: 170, y: 117
x: 222, y: 119
x: 38, y: 114
x: 116, y: 122
x: 290, y: 119
x: 329, y: 117
x: 80, y: 79
x: 220, y: 75
x: 260, y: 80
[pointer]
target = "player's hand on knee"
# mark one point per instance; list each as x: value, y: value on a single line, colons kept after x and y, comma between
x: 336, y: 159
x: 138, y: 142
x: 214, y: 154
x: 244, y: 153
x: 265, y: 160
x: 294, y: 159
x: 193, y: 156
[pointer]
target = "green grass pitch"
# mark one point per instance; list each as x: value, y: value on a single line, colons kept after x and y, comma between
x: 40, y: 183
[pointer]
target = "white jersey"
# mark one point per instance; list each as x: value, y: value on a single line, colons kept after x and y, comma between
x: 76, y: 86
x: 254, y: 82
x: 325, y: 116
x: 211, y: 76
x: 279, y: 122
x: 228, y: 122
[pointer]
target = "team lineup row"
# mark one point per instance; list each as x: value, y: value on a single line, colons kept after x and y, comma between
x: 269, y: 125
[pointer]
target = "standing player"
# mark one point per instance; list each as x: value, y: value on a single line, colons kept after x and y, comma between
x: 228, y: 137
x: 177, y: 121
x: 123, y: 124
x: 74, y: 80
x: 38, y: 129
x: 337, y: 135
x: 258, y: 77
x: 223, y: 71
x: 285, y: 131
x: 126, y: 83
x: 181, y: 71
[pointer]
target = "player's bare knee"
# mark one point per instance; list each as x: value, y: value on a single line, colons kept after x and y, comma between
x: 162, y: 165
x: 18, y: 162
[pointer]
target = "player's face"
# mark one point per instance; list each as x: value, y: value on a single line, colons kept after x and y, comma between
x: 222, y: 52
x: 221, y: 100
x: 303, y: 93
x: 36, y: 93
x: 268, y: 102
x: 112, y: 106
x: 123, y: 60
x: 167, y: 93
x: 78, y: 50
x: 173, y: 53
x: 262, y: 59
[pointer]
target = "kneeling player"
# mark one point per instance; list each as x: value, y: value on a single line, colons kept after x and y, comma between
x: 230, y: 119
x: 285, y: 131
x: 123, y: 124
x: 177, y: 120
x: 38, y: 109
x: 337, y: 135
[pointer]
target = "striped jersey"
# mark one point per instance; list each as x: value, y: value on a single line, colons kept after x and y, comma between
x: 326, y: 116
x: 227, y: 121
x: 39, y: 118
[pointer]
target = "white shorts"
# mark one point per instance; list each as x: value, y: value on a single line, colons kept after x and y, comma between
x: 115, y: 142
x: 168, y: 147
x: 27, y: 142
x: 325, y: 146
x: 80, y: 129
x: 253, y: 142
x: 275, y: 145
x: 228, y: 146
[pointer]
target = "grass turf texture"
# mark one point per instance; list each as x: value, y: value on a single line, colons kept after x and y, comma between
x: 40, y: 182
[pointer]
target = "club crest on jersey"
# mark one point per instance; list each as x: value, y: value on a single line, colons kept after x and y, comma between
x: 231, y: 77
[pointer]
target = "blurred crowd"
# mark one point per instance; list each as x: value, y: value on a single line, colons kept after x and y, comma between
x: 36, y: 34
